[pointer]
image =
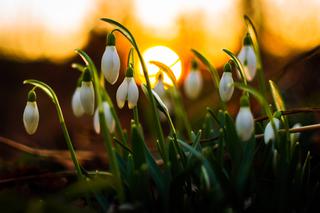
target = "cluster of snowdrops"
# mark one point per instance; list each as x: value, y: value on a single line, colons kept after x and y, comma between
x: 215, y: 164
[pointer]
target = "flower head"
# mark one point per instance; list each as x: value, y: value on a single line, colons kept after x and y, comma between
x: 226, y: 86
x: 31, y: 114
x: 248, y: 58
x: 87, y: 93
x: 269, y: 134
x: 159, y: 87
x: 76, y: 103
x: 128, y: 90
x: 110, y: 62
x: 244, y: 120
x: 108, y: 117
x: 193, y: 82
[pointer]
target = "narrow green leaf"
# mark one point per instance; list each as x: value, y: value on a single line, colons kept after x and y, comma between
x: 137, y: 147
x: 276, y: 95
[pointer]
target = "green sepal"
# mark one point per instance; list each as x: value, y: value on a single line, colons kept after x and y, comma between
x: 86, y: 75
x: 111, y: 39
x: 32, y: 96
x: 129, y: 72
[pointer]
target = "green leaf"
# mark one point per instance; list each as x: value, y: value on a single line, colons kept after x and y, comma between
x: 207, y: 172
x: 276, y: 95
x: 137, y: 147
x: 213, y: 71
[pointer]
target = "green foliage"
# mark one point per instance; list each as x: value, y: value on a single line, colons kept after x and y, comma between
x: 206, y: 170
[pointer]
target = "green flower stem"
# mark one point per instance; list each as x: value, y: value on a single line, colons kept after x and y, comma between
x: 49, y: 91
x: 213, y: 72
x: 124, y: 31
x: 180, y: 110
x: 104, y: 129
x: 253, y: 34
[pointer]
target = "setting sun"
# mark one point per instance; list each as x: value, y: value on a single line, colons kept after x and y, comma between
x: 164, y: 55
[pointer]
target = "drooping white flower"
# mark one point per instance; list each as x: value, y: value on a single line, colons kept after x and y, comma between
x: 87, y: 93
x: 110, y: 62
x: 244, y: 121
x: 226, y: 86
x: 193, y: 82
x: 159, y: 87
x: 248, y: 58
x: 294, y: 137
x: 269, y: 134
x: 108, y: 117
x: 128, y: 90
x: 31, y: 114
x: 76, y: 103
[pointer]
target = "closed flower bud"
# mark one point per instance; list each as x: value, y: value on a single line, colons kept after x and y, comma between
x: 128, y: 90
x: 108, y: 117
x: 76, y: 103
x: 248, y: 58
x: 244, y: 120
x: 193, y: 82
x: 226, y: 86
x: 110, y: 62
x: 269, y: 134
x: 31, y: 114
x: 87, y: 93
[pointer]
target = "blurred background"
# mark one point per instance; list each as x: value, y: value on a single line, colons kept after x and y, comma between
x: 38, y: 38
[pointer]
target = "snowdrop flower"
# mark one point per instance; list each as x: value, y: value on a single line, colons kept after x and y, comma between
x: 110, y: 62
x: 128, y: 90
x: 248, y: 58
x: 108, y: 116
x: 226, y: 86
x: 269, y: 134
x: 159, y: 87
x: 193, y: 82
x: 244, y: 120
x: 295, y: 136
x: 76, y: 103
x: 31, y: 114
x: 87, y: 93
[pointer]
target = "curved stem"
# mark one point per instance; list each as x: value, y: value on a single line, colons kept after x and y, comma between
x: 49, y: 91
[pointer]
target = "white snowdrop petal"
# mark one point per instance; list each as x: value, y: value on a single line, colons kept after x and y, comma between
x: 110, y: 64
x: 31, y: 117
x: 269, y: 134
x: 244, y: 123
x: 159, y: 89
x: 96, y: 123
x: 87, y: 97
x: 226, y: 86
x: 133, y: 93
x: 193, y: 84
x: 108, y: 116
x: 122, y: 93
x: 251, y: 63
x: 76, y: 103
